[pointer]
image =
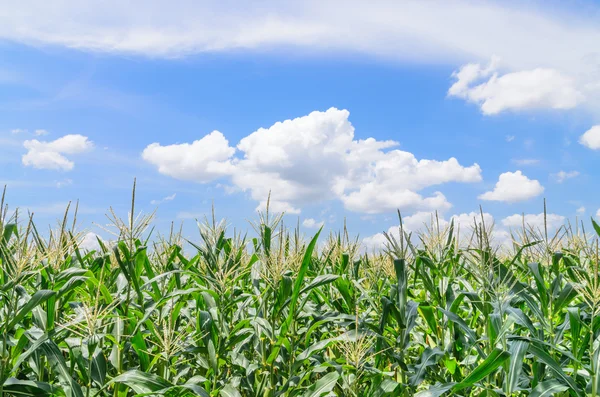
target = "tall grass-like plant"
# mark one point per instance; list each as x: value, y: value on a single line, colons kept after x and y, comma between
x: 448, y: 311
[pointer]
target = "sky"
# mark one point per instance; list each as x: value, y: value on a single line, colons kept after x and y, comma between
x: 340, y: 111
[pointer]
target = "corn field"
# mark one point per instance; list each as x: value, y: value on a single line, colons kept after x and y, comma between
x: 270, y: 313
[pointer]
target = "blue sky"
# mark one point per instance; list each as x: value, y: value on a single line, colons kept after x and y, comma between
x: 92, y: 99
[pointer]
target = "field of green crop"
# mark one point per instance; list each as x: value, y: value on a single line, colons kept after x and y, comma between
x: 274, y: 314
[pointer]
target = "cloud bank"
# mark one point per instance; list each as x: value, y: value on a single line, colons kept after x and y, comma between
x: 312, y: 159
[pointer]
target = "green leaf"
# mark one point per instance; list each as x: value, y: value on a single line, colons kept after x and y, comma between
x: 596, y: 227
x: 301, y: 274
x: 98, y: 370
x: 229, y: 391
x: 544, y: 357
x: 20, y: 387
x: 436, y: 391
x: 548, y: 388
x: 139, y: 345
x: 402, y: 279
x: 517, y: 353
x: 323, y: 385
x: 489, y: 365
x: 466, y: 329
x: 37, y: 299
x: 56, y: 359
x: 141, y: 382
x: 428, y: 358
x: 318, y: 281
x: 295, y: 294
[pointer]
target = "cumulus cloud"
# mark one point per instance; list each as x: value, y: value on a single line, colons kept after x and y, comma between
x: 297, y: 160
x: 90, y: 242
x: 164, y: 199
x: 512, y: 187
x: 538, y: 88
x: 310, y: 223
x: 591, y: 138
x: 394, y: 180
x: 424, y: 221
x: 562, y: 176
x: 581, y: 210
x: 553, y: 221
x: 311, y: 159
x: 51, y: 155
x: 201, y: 161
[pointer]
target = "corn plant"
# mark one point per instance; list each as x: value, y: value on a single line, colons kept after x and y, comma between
x: 271, y: 313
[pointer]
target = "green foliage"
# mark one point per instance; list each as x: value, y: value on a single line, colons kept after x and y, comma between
x: 436, y: 314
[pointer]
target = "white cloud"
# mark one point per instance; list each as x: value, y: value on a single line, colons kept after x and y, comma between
x: 591, y: 138
x: 190, y: 215
x: 510, y: 138
x: 598, y: 213
x: 378, y: 242
x: 41, y: 132
x: 297, y: 160
x: 472, y: 218
x: 394, y: 180
x: 51, y: 155
x: 420, y: 222
x: 520, y: 33
x: 311, y: 159
x: 164, y: 199
x: 53, y: 209
x: 581, y: 210
x: 17, y: 131
x: 201, y: 161
x: 536, y: 221
x: 90, y: 242
x: 524, y: 162
x: 310, y: 223
x: 63, y: 183
x: 538, y: 88
x: 513, y: 187
x: 562, y: 176
x: 548, y: 52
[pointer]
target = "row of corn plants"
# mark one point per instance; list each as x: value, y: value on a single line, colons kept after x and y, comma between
x: 271, y: 313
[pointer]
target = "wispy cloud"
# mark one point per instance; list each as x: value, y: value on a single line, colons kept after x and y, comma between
x: 164, y: 199
x: 58, y: 208
x: 63, y: 183
x: 190, y: 215
x: 517, y: 32
x: 562, y: 176
x: 526, y: 161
